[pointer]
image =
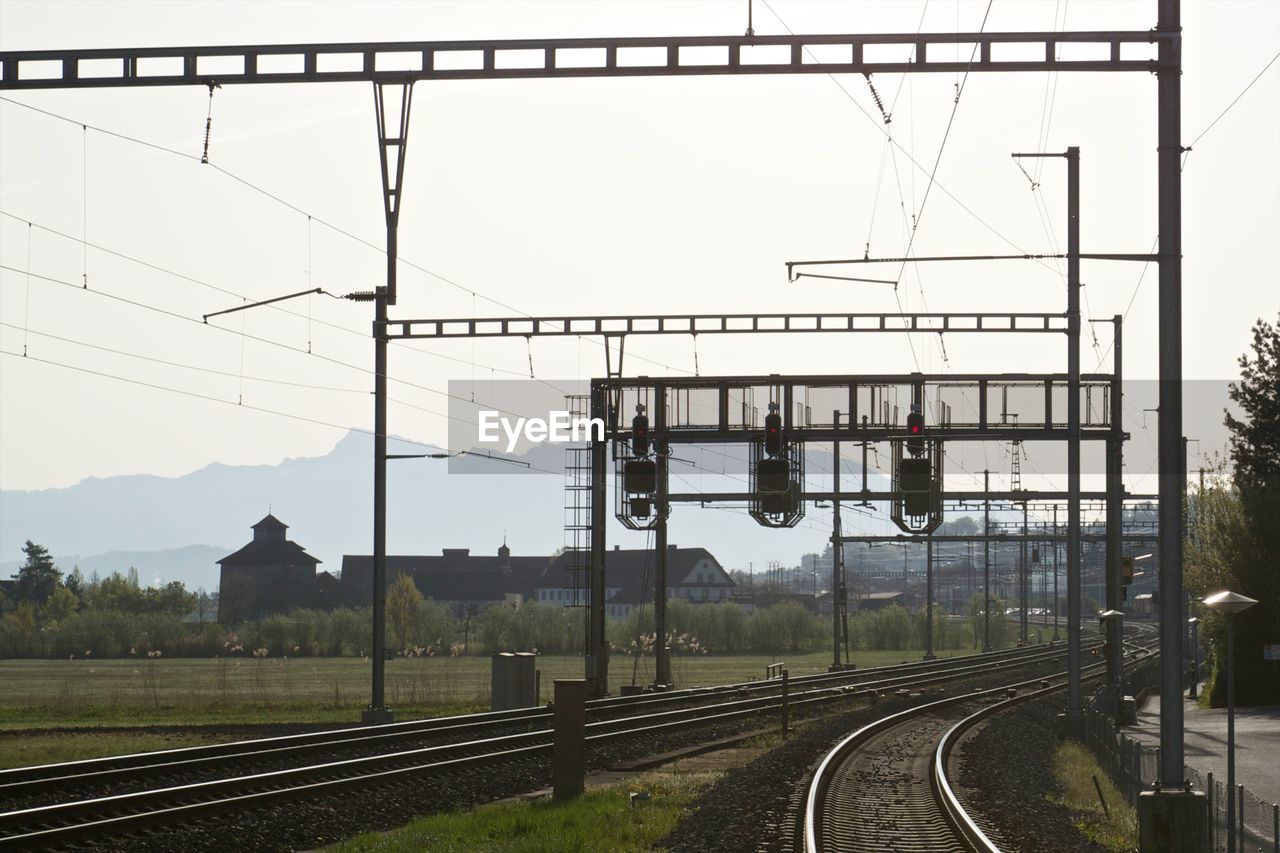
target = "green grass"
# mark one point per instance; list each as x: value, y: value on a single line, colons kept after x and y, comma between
x: 602, y: 820
x: 116, y: 698
x: 180, y: 691
x: 23, y: 749
x: 1074, y: 767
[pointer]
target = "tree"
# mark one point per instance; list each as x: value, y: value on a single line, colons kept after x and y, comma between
x: 61, y: 604
x: 118, y: 592
x: 1236, y: 540
x: 171, y: 599
x: 402, y: 609
x: 38, y: 576
x: 1255, y: 441
x: 75, y: 583
x: 204, y: 605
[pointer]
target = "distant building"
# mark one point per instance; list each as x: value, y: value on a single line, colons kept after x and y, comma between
x: 880, y: 600
x: 759, y: 599
x: 269, y: 575
x: 456, y: 578
x: 273, y: 575
x: 692, y: 574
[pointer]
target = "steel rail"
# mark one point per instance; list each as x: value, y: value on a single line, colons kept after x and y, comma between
x: 316, y: 777
x: 961, y: 821
x: 24, y: 779
x: 815, y: 799
x: 698, y: 714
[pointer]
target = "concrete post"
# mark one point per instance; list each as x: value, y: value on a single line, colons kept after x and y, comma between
x: 786, y: 696
x: 569, y: 727
x: 928, y: 593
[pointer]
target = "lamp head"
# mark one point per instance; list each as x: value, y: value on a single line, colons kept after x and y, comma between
x: 1229, y: 603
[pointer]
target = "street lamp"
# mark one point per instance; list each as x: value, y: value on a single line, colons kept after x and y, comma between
x: 1111, y: 623
x: 1195, y: 651
x: 1229, y: 604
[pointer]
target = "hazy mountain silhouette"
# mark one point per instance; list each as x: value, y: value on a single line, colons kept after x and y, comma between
x: 163, y: 526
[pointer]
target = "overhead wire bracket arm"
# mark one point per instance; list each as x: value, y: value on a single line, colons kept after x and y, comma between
x: 1145, y: 257
x: 263, y: 302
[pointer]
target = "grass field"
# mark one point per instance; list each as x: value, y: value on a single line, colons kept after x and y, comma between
x: 44, y: 693
x: 64, y: 710
x: 602, y: 820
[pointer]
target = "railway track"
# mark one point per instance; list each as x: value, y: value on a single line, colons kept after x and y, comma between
x: 125, y: 794
x: 887, y: 787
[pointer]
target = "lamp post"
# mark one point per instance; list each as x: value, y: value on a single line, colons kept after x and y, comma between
x: 1229, y: 604
x: 1195, y: 654
x: 1112, y: 626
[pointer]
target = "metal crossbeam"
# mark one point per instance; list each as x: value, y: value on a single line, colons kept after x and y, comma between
x: 880, y: 433
x: 717, y: 324
x: 993, y: 537
x: 398, y: 62
x: 854, y: 496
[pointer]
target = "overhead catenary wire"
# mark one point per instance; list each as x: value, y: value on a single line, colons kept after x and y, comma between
x: 320, y: 220
x: 1142, y: 275
x: 195, y: 281
x: 268, y: 341
x: 186, y: 366
x: 209, y: 398
x: 898, y: 146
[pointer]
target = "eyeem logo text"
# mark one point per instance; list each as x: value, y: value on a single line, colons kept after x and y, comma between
x: 560, y: 427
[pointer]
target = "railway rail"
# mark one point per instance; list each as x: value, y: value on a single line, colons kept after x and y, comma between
x: 887, y: 786
x: 126, y: 794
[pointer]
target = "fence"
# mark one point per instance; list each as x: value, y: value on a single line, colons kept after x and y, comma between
x: 1134, y: 765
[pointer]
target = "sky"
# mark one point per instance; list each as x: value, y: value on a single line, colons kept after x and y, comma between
x: 590, y: 196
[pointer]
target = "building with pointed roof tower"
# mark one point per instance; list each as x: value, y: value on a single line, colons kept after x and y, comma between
x: 269, y: 575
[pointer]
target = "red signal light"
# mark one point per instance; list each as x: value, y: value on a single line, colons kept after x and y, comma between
x: 773, y: 434
x: 915, y: 431
x: 640, y: 433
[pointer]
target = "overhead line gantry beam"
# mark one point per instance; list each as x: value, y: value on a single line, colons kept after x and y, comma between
x: 855, y: 496
x: 716, y: 324
x: 402, y: 62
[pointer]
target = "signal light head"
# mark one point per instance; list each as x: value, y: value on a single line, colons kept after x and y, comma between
x: 640, y: 433
x: 773, y: 434
x: 915, y: 433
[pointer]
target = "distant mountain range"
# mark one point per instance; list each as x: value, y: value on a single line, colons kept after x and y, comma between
x: 163, y: 526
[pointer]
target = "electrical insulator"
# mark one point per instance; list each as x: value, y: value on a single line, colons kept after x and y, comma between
x: 773, y: 432
x: 915, y: 433
x: 640, y: 433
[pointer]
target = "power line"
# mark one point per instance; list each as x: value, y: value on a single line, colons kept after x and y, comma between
x: 239, y: 405
x: 169, y: 363
x: 192, y: 280
x: 244, y: 335
x: 897, y: 145
x: 184, y: 392
x: 1235, y: 100
x: 326, y: 223
x: 1187, y: 150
